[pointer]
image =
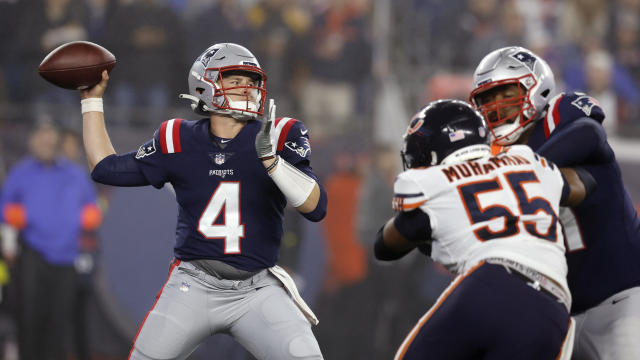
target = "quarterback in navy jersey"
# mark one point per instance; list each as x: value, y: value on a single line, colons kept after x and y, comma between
x: 233, y: 173
x: 513, y: 89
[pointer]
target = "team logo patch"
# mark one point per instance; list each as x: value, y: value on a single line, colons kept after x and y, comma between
x: 527, y: 59
x: 185, y: 286
x: 220, y: 158
x: 204, y: 59
x: 146, y: 149
x: 415, y: 124
x: 300, y: 147
x: 584, y: 103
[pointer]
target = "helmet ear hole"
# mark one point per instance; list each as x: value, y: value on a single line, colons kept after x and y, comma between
x: 545, y: 93
x: 200, y: 90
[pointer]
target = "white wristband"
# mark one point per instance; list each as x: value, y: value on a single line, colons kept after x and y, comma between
x: 92, y: 104
x: 294, y: 184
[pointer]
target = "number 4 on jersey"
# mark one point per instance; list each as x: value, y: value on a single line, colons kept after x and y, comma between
x: 226, y: 201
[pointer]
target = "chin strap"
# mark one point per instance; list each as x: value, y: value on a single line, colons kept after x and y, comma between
x: 199, y: 107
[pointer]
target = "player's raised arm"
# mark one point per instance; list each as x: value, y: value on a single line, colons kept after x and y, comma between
x: 94, y: 133
x: 300, y: 190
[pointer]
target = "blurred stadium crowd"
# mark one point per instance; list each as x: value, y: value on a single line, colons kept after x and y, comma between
x: 353, y: 71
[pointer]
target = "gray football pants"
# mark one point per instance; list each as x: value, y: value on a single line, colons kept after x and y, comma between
x: 257, y: 312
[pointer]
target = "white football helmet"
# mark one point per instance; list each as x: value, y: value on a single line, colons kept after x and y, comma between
x: 207, y: 92
x: 534, y: 78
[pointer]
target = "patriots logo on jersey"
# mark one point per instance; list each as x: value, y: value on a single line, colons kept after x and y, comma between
x: 584, y: 103
x: 301, y: 147
x: 527, y: 59
x: 146, y: 149
x: 204, y: 59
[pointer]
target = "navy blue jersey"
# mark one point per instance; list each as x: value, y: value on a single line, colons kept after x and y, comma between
x: 229, y: 209
x: 602, y: 233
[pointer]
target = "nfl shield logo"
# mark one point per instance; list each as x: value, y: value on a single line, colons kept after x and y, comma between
x: 219, y: 159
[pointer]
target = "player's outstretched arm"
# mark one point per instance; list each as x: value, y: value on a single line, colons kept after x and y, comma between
x: 94, y: 132
x: 390, y: 244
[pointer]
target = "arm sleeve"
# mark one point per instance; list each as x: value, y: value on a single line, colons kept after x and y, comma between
x: 583, y: 141
x: 152, y: 161
x: 566, y: 190
x: 385, y: 253
x: 119, y: 170
x: 588, y: 180
x: 413, y: 225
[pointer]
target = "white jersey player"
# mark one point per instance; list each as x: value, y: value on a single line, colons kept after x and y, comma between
x: 492, y: 220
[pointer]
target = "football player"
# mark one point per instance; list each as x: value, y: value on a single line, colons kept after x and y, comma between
x: 233, y: 172
x: 514, y: 89
x: 494, y: 222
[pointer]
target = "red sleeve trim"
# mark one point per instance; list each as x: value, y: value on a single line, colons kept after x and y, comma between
x: 170, y: 136
x: 284, y: 133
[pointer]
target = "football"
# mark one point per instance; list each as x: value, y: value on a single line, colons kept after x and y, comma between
x: 76, y: 65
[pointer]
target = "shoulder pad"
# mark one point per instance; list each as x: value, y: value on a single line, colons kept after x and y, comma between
x: 524, y: 151
x: 565, y: 108
x: 519, y: 149
x: 169, y: 134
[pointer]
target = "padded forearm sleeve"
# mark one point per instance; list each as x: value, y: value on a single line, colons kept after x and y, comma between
x: 294, y: 184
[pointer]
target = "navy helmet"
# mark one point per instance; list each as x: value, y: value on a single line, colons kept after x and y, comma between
x: 445, y: 131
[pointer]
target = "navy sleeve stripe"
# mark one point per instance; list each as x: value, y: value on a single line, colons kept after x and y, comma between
x: 408, y: 195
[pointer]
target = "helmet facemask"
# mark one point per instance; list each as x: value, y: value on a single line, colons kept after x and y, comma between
x: 505, y: 123
x: 252, y: 103
x: 512, y: 65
